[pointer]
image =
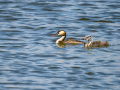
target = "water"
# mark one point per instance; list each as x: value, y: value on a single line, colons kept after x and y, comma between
x: 30, y: 58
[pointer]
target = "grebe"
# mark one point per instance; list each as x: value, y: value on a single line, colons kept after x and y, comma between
x: 63, y: 40
x: 95, y: 43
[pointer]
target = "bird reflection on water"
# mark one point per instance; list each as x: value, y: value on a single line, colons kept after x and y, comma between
x: 63, y: 45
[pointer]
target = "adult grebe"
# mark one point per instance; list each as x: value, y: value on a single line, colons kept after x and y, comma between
x: 63, y: 40
x: 95, y: 43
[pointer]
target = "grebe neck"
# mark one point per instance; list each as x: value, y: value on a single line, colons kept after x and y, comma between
x: 90, y: 41
x: 61, y: 39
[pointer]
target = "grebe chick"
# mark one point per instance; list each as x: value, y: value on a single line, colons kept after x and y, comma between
x: 95, y: 43
x: 63, y: 40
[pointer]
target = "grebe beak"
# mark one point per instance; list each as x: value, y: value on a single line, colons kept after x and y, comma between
x: 83, y: 38
x: 55, y: 35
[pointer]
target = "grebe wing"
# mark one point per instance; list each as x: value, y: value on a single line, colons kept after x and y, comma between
x: 73, y: 41
x: 100, y: 43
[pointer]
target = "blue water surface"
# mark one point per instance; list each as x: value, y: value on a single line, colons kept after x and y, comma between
x: 30, y: 58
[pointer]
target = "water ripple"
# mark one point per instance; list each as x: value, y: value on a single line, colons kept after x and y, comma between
x: 30, y: 58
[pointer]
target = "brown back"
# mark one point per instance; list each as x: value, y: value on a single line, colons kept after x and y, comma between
x: 73, y: 41
x: 100, y: 44
x: 97, y: 44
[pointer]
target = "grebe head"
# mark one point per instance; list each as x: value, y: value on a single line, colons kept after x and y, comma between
x: 88, y: 38
x: 61, y: 32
